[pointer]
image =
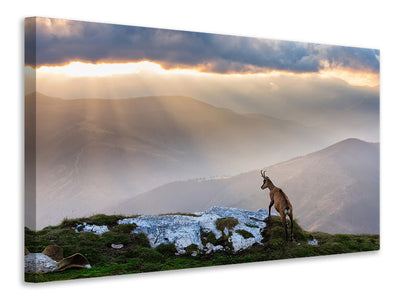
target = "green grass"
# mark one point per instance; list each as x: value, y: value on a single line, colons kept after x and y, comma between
x: 245, y: 233
x: 208, y: 237
x: 93, y: 220
x: 166, y: 249
x: 137, y: 256
x: 226, y: 223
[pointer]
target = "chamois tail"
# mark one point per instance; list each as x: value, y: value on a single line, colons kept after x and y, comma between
x: 287, y: 210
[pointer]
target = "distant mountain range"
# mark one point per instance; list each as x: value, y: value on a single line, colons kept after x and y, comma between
x: 93, y: 153
x: 138, y: 155
x: 333, y: 190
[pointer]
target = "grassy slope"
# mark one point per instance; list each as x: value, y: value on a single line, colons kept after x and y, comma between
x: 136, y: 256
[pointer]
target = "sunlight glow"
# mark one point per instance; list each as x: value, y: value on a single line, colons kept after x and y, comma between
x: 353, y: 78
x: 82, y: 69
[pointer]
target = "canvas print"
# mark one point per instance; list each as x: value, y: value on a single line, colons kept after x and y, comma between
x: 151, y: 150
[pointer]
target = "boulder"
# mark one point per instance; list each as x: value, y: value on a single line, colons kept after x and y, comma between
x: 39, y: 263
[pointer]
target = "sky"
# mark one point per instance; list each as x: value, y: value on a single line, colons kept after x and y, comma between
x: 312, y: 84
x: 60, y: 42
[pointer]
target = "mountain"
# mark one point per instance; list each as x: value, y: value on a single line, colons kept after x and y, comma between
x: 333, y: 190
x: 93, y: 153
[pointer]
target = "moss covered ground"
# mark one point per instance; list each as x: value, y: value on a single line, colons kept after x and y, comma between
x: 137, y: 256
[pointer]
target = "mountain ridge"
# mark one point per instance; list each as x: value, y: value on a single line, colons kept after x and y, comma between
x: 347, y: 170
x: 93, y: 152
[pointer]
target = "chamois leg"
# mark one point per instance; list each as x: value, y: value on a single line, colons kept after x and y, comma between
x: 283, y: 219
x: 269, y: 210
x: 291, y: 226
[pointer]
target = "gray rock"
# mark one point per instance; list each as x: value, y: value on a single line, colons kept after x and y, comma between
x: 314, y: 242
x: 39, y: 262
x: 226, y: 231
x: 96, y: 229
x: 211, y: 248
x: 183, y: 231
x: 218, y: 248
x: 117, y: 246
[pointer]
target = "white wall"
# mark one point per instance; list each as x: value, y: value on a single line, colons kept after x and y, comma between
x: 369, y: 24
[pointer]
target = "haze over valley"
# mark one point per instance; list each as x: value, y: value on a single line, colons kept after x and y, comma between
x: 333, y: 190
x: 91, y: 153
x: 136, y: 156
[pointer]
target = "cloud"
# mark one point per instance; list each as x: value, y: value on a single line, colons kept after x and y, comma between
x: 61, y: 41
x: 353, y: 58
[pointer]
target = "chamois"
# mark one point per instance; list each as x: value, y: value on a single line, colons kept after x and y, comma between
x: 281, y: 203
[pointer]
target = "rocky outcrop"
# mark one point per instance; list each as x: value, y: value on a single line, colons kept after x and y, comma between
x: 217, y: 229
x: 185, y: 230
x: 51, y: 259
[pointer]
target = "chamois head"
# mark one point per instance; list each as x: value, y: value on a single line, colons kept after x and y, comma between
x: 267, y: 182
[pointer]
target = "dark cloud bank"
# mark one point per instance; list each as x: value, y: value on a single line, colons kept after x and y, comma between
x: 61, y: 41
